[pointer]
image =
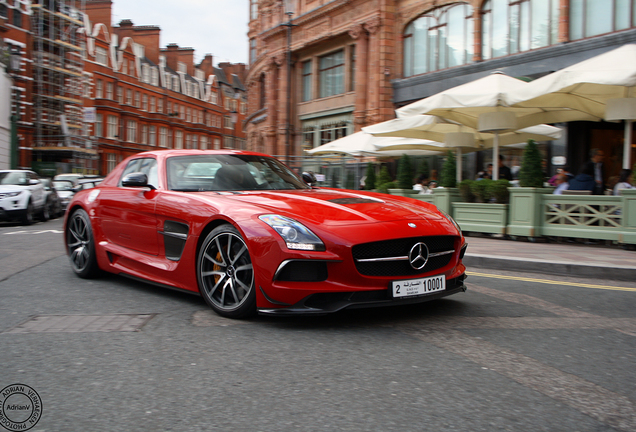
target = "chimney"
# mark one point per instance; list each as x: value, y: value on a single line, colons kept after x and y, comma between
x: 174, y: 54
x: 207, y: 65
x: 100, y: 11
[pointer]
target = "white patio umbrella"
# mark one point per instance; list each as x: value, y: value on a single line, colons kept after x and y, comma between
x: 364, y: 144
x: 484, y: 105
x: 603, y: 86
x: 455, y: 136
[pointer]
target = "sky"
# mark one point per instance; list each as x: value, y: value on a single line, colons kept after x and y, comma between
x: 217, y: 27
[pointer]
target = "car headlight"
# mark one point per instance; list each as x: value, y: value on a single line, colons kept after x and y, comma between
x: 450, y: 218
x: 296, y: 235
x: 9, y: 194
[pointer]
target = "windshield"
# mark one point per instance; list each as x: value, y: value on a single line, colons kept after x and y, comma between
x: 14, y: 178
x: 62, y: 185
x: 229, y: 173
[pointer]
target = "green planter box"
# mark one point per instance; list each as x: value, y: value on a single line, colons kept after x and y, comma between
x: 481, y: 217
x: 444, y: 198
x: 525, y: 211
x: 403, y: 192
x: 629, y: 216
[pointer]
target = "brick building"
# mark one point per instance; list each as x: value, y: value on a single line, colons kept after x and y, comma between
x: 354, y: 61
x: 89, y: 93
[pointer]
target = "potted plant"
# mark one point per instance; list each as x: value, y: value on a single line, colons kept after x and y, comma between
x: 449, y: 171
x: 404, y: 184
x: 465, y: 190
x: 369, y: 183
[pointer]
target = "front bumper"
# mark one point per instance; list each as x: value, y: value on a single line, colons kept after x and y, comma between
x: 326, y: 303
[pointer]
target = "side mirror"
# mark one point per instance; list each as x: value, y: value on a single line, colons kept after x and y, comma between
x: 309, y: 178
x: 136, y: 179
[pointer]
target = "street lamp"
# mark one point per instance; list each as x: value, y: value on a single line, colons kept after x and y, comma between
x: 233, y: 119
x: 290, y: 9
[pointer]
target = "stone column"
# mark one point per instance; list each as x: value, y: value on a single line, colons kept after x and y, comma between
x: 271, y: 78
x: 359, y: 34
x: 281, y: 106
x: 477, y: 26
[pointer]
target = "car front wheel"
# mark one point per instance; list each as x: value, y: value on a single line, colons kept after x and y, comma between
x: 225, y: 273
x: 80, y: 245
x: 27, y: 219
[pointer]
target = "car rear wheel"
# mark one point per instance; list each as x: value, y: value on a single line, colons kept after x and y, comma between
x: 225, y: 273
x: 80, y: 245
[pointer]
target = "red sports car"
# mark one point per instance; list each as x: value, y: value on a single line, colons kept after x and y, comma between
x: 249, y: 235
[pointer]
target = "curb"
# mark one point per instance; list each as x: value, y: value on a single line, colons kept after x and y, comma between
x: 618, y: 273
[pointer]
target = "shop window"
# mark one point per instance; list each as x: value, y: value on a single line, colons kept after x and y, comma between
x: 307, y: 81
x: 595, y: 17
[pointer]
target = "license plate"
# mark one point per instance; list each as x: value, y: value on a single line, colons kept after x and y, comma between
x: 416, y: 287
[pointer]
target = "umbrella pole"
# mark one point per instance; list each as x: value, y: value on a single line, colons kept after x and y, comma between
x: 495, y: 157
x: 627, y: 145
x: 458, y: 150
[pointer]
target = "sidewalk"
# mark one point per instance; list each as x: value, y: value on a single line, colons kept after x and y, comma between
x: 600, y: 261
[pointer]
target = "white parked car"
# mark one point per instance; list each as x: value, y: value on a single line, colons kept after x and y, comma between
x: 22, y: 196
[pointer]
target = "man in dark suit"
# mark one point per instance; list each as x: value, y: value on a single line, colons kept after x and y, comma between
x: 504, y: 171
x: 596, y: 166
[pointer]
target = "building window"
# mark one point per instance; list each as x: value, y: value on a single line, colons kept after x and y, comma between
x: 214, y: 97
x: 120, y: 95
x: 99, y: 126
x: 509, y: 27
x: 124, y: 67
x: 144, y: 134
x: 111, y: 131
x: 111, y: 161
x: 17, y: 17
x: 204, y: 142
x: 152, y: 139
x: 131, y: 133
x: 163, y: 137
x: 252, y: 50
x: 594, y: 17
x: 307, y: 82
x: 129, y: 96
x: 160, y: 105
x: 309, y: 134
x: 101, y: 56
x: 145, y: 74
x: 109, y: 91
x: 331, y: 73
x: 227, y: 122
x: 3, y: 11
x: 137, y: 99
x: 99, y: 89
x: 152, y: 103
x: 154, y: 77
x: 175, y: 83
x: 253, y: 9
x: 440, y: 39
x: 178, y: 139
x: 352, y: 68
x: 188, y: 115
x: 217, y: 144
x: 332, y: 131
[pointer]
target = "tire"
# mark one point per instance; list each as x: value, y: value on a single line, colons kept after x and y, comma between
x: 27, y: 218
x: 80, y: 245
x: 225, y: 273
x: 46, y: 212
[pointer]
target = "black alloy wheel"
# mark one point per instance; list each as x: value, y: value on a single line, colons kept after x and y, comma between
x: 225, y: 273
x: 80, y: 245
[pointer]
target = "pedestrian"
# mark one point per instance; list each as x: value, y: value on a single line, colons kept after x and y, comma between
x: 625, y: 181
x: 561, y: 184
x: 596, y: 165
x: 504, y: 171
x: 584, y: 180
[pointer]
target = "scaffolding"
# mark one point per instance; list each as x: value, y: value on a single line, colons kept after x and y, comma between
x: 58, y: 88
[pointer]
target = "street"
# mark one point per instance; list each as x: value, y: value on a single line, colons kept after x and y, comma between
x: 516, y: 352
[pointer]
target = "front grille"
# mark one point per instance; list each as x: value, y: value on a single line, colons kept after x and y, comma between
x: 401, y: 248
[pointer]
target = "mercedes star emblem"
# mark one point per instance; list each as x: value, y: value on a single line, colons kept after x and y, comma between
x: 418, y: 256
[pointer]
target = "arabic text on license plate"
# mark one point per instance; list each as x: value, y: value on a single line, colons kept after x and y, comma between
x: 414, y: 287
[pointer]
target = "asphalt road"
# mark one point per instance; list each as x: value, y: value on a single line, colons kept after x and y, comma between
x: 516, y: 352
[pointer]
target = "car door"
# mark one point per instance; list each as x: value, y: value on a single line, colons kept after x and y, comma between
x: 128, y: 213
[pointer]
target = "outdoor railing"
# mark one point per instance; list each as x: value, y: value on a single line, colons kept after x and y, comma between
x: 591, y: 216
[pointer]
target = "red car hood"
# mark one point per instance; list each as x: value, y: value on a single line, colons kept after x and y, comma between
x: 336, y: 207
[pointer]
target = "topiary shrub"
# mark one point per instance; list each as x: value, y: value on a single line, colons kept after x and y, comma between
x: 384, y: 187
x: 465, y: 190
x: 369, y: 183
x: 423, y: 170
x: 405, y: 173
x: 480, y: 188
x: 531, y: 173
x: 498, y: 189
x: 449, y: 171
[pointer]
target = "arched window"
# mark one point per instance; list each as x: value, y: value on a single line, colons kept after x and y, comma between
x: 262, y: 93
x: 595, y: 17
x: 439, y: 39
x: 512, y: 26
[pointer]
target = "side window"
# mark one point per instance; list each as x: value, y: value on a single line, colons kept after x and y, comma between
x: 148, y: 166
x: 133, y: 166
